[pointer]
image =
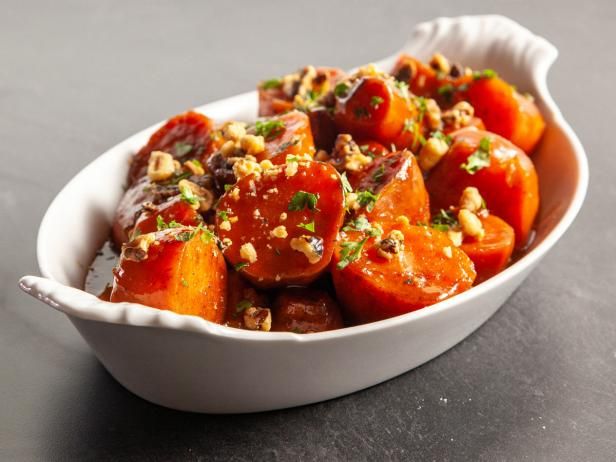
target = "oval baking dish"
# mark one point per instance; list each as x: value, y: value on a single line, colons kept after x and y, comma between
x: 187, y: 363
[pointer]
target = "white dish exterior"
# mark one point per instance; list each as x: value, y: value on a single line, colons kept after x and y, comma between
x: 187, y: 363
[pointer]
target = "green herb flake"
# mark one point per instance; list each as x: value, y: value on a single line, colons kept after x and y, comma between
x: 307, y: 226
x: 228, y: 187
x: 367, y: 199
x: 160, y: 224
x: 361, y: 113
x: 351, y: 251
x: 444, y: 220
x: 184, y: 282
x: 187, y: 195
x: 441, y: 136
x: 269, y: 129
x: 484, y: 74
x: 240, y: 265
x: 378, y: 175
x: 362, y: 224
x: 346, y: 186
x: 224, y: 216
x: 181, y: 148
x: 341, y: 90
x: 271, y: 83
x: 302, y: 200
x: 375, y: 101
x: 478, y: 159
x: 243, y: 305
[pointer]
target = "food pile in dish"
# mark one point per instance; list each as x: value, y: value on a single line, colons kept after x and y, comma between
x: 353, y: 198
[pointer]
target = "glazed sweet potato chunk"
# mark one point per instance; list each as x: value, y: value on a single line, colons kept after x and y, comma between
x: 505, y: 112
x: 401, y: 270
x: 279, y: 226
x: 492, y: 252
x: 177, y: 269
x: 286, y: 134
x: 502, y: 172
x: 394, y: 186
x: 185, y: 136
x: 374, y: 108
x: 172, y: 213
x: 305, y: 310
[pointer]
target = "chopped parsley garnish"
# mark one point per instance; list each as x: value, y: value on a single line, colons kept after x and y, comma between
x: 485, y: 74
x: 362, y: 224
x: 408, y: 125
x: 271, y: 83
x: 307, y: 226
x: 441, y: 136
x: 188, y: 195
x: 346, y: 186
x: 375, y: 101
x: 184, y: 282
x: 379, y: 174
x: 242, y: 305
x: 422, y: 107
x: 341, y: 90
x: 269, y: 129
x: 351, y: 251
x: 367, y: 199
x: 292, y: 159
x: 160, y: 223
x: 240, y: 265
x: 478, y: 159
x: 444, y: 220
x: 185, y: 236
x: 302, y: 200
x: 403, y: 89
x: 446, y: 90
x: 181, y: 148
x: 224, y: 216
x: 228, y: 187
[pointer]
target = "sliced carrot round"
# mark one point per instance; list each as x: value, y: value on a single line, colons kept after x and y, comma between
x: 279, y: 227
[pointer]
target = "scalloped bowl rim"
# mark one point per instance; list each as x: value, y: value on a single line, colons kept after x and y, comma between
x: 86, y: 306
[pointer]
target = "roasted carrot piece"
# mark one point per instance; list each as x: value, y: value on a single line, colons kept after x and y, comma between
x: 172, y: 213
x: 185, y: 136
x: 421, y: 79
x: 491, y: 254
x: 304, y: 310
x: 409, y: 268
x: 504, y: 175
x: 288, y: 134
x: 176, y: 269
x: 240, y: 296
x: 505, y: 112
x: 397, y: 188
x: 279, y: 227
x: 374, y: 108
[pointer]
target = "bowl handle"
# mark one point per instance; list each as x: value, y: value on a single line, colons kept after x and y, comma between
x: 56, y: 295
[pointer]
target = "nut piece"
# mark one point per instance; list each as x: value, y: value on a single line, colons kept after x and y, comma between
x: 194, y: 167
x: 346, y: 148
x: 440, y: 64
x: 253, y: 144
x: 279, y: 232
x: 471, y: 200
x: 456, y: 237
x: 160, y: 166
x: 245, y: 166
x: 256, y: 318
x: 234, y: 130
x: 431, y: 153
x: 460, y: 115
x: 471, y: 224
x: 248, y: 252
x: 433, y: 114
x: 137, y: 249
x: 310, y: 246
x: 391, y: 245
x: 204, y: 197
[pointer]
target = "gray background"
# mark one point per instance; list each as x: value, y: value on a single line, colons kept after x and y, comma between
x: 536, y: 382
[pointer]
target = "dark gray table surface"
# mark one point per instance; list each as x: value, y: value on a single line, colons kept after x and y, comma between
x: 536, y: 382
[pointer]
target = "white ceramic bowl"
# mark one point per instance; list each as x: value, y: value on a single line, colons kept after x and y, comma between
x: 187, y: 363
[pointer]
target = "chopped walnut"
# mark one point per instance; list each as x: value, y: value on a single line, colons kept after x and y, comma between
x: 161, y: 166
x: 194, y: 168
x: 471, y: 224
x: 310, y: 246
x: 137, y: 249
x: 205, y: 197
x: 280, y: 232
x: 391, y: 245
x: 256, y: 318
x: 248, y: 252
x: 252, y: 144
x: 234, y: 131
x: 433, y: 114
x: 471, y: 200
x: 460, y: 115
x: 431, y: 153
x: 347, y: 155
